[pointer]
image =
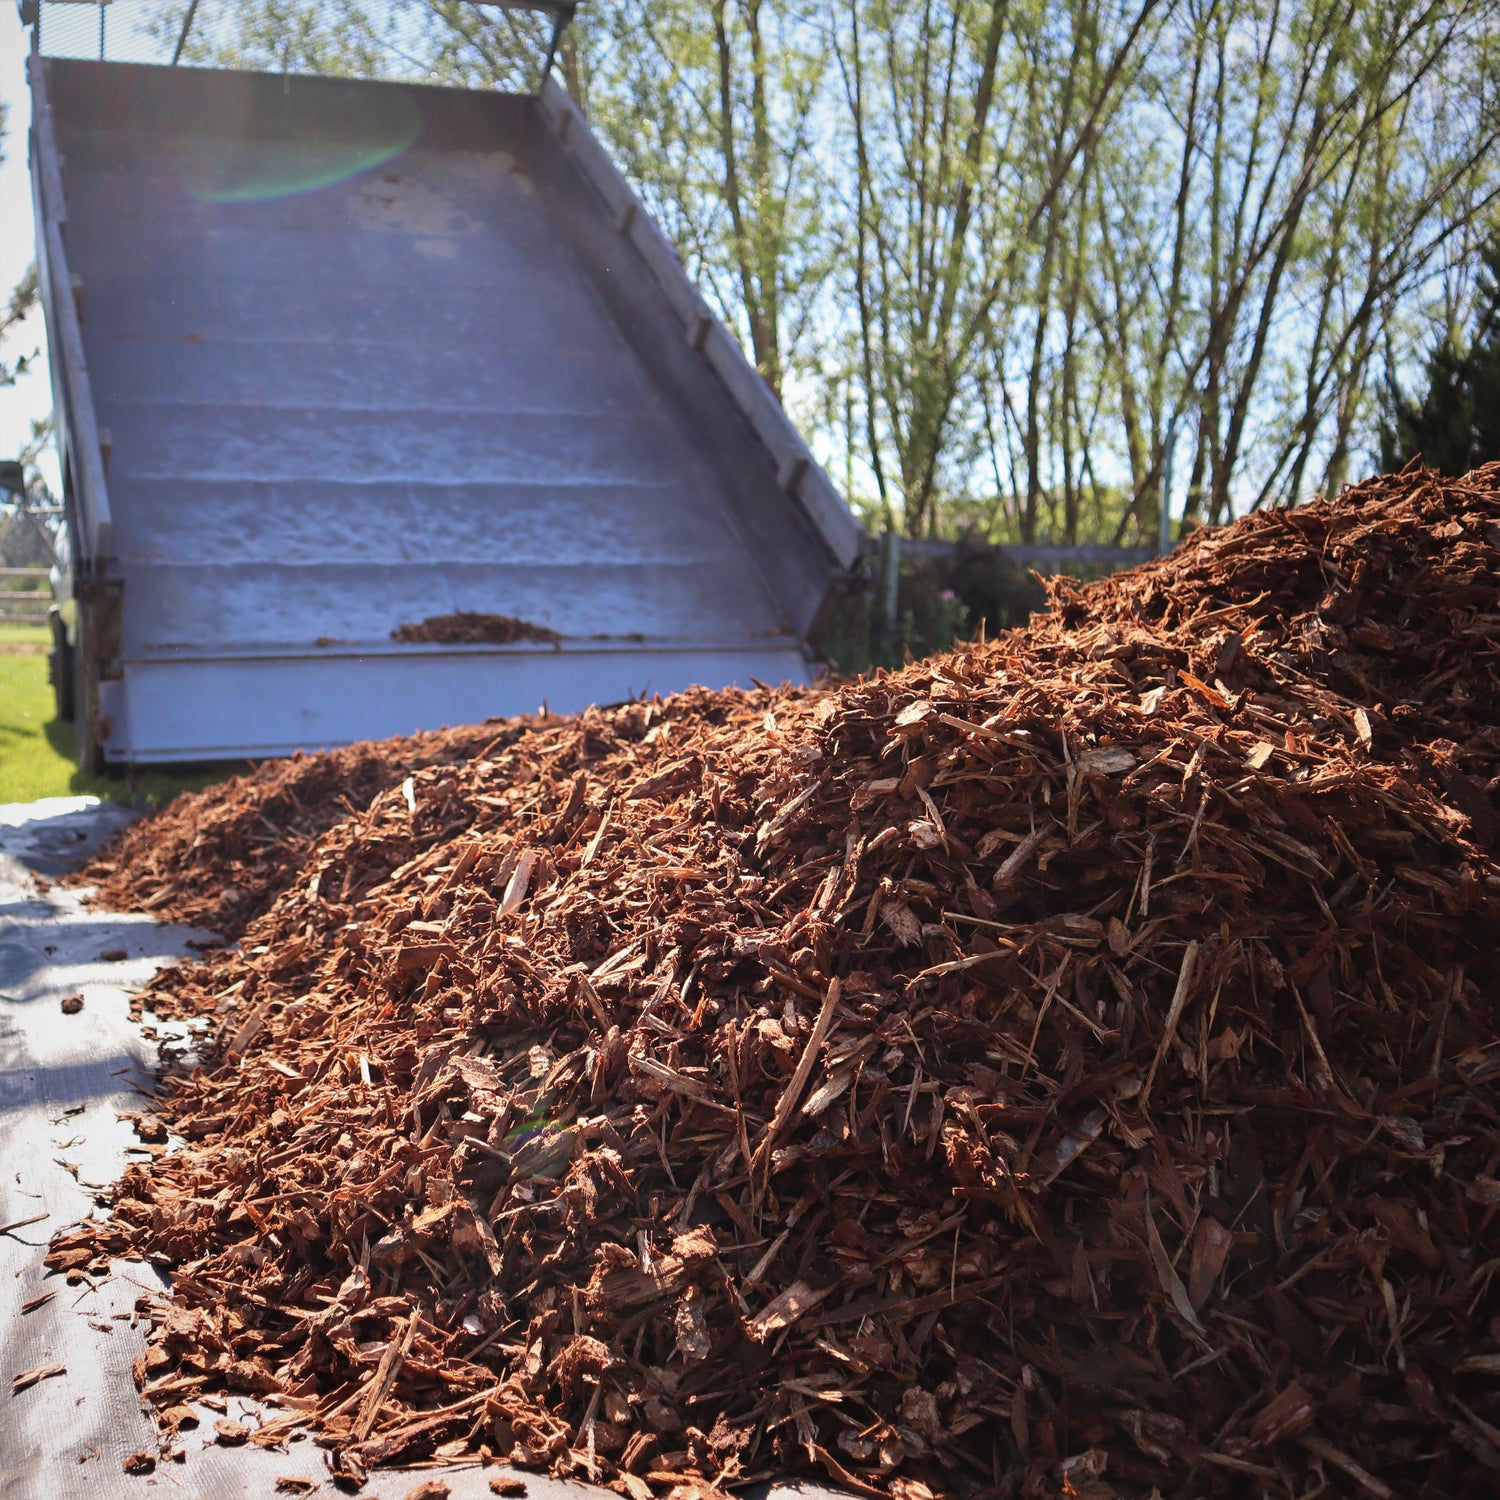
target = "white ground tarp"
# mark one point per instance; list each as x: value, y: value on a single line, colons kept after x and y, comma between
x: 63, y: 1078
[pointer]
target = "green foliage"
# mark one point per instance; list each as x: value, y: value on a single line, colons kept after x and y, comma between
x: 282, y: 36
x: 1453, y: 426
x: 1090, y: 510
x: 432, y: 41
x: 23, y: 299
x: 716, y: 111
x: 1010, y: 249
x: 977, y: 591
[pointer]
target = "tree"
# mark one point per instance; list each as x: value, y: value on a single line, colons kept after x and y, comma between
x: 1455, y: 425
x: 1278, y: 192
x: 969, y: 125
x: 1018, y: 257
x: 20, y: 305
x: 716, y: 111
x: 279, y: 36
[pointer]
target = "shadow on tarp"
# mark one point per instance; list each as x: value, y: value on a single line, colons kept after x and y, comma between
x: 47, y: 1086
x: 79, y: 945
x: 57, y: 834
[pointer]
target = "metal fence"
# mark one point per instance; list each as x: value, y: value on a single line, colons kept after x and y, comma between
x: 22, y: 606
x: 479, y: 44
x: 119, y: 30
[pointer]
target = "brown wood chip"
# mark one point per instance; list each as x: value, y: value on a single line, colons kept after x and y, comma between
x: 429, y: 1489
x: 28, y: 1378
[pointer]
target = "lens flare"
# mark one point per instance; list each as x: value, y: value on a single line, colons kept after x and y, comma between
x: 314, y: 153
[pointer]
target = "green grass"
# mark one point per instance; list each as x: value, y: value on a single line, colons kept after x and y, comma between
x: 24, y: 635
x: 38, y: 756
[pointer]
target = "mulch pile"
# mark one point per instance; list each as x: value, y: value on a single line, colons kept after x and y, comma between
x: 1064, y: 1067
x: 219, y: 858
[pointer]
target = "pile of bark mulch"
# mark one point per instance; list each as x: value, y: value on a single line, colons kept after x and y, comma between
x: 1064, y: 1067
x: 219, y: 858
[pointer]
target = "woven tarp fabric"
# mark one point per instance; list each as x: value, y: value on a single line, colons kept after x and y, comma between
x: 65, y: 1076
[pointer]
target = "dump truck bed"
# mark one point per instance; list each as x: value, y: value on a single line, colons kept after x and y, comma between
x: 363, y: 354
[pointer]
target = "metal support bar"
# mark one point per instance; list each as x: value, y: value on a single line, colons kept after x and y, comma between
x: 890, y: 590
x: 562, y: 13
x: 563, y: 20
x: 182, y: 36
x: 65, y: 332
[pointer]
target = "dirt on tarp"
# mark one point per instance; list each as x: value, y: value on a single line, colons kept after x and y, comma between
x: 1065, y: 1067
x: 469, y: 629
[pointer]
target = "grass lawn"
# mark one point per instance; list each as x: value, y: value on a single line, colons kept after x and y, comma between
x: 37, y: 752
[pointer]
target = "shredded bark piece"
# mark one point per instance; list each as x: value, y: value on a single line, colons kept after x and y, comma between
x: 28, y: 1378
x: 429, y: 1489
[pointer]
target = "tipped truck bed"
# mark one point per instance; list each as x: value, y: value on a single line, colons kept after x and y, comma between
x: 333, y: 357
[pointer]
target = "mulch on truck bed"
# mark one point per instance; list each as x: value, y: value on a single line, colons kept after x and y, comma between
x: 1063, y: 1067
x: 467, y: 628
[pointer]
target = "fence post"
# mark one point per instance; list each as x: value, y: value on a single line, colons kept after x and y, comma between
x: 14, y: 603
x: 1164, y: 537
x: 890, y: 594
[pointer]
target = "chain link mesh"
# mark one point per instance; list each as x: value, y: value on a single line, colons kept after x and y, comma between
x: 419, y: 41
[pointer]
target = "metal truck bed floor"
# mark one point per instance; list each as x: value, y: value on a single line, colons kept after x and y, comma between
x: 363, y: 354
